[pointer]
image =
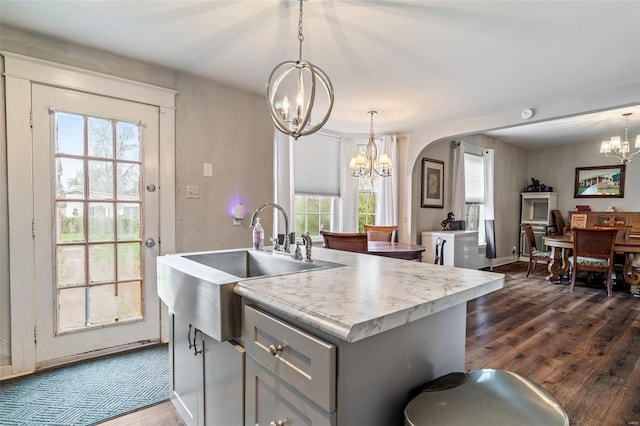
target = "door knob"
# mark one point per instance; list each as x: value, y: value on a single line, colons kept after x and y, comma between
x: 150, y: 242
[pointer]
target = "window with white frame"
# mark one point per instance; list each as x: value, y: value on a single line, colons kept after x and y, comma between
x: 474, y: 194
x: 316, y: 184
x: 313, y: 213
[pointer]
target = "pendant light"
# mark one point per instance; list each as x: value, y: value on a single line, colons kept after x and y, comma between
x: 369, y: 163
x: 297, y: 81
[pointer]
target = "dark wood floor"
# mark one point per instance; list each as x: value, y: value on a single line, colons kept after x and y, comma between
x: 583, y: 347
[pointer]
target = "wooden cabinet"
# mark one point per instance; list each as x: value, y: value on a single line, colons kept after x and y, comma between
x: 535, y: 209
x: 207, y: 385
x: 611, y: 218
x: 291, y: 375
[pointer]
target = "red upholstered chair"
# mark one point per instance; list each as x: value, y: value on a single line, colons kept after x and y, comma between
x: 535, y: 255
x: 593, y: 250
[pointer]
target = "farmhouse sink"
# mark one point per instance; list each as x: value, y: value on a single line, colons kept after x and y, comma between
x: 198, y: 287
x: 250, y: 264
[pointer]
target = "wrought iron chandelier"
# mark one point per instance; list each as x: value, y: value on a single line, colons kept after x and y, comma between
x: 369, y: 163
x: 621, y: 149
x: 283, y: 86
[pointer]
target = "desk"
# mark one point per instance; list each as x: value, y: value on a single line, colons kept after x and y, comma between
x: 396, y: 250
x: 560, y: 258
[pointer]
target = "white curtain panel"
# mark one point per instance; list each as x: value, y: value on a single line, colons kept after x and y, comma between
x: 457, y: 196
x: 348, y: 187
x: 490, y: 236
x: 387, y: 202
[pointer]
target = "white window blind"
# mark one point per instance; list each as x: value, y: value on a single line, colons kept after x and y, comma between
x: 317, y: 165
x: 473, y: 178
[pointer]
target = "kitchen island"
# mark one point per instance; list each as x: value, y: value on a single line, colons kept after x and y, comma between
x: 344, y: 345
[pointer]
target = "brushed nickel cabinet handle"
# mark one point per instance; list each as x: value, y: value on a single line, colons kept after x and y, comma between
x: 274, y: 349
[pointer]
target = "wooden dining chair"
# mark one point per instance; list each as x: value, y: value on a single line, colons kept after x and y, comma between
x: 535, y: 255
x: 381, y: 232
x: 558, y: 227
x: 346, y: 241
x: 593, y: 250
x: 623, y: 230
x: 619, y: 259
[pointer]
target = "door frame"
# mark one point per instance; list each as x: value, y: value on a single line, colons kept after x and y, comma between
x: 20, y: 72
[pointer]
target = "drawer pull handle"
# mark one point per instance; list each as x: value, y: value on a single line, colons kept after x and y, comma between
x: 278, y: 423
x: 274, y: 349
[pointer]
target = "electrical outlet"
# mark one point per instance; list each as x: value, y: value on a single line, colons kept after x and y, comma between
x: 193, y: 191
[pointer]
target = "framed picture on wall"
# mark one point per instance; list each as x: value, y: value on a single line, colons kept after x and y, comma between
x: 599, y: 182
x: 432, y: 187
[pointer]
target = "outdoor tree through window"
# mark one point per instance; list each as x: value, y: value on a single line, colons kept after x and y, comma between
x: 98, y: 205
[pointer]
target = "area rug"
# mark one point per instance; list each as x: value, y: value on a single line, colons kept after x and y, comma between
x: 89, y: 392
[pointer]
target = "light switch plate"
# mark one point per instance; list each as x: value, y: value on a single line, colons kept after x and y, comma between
x: 207, y: 170
x: 193, y: 191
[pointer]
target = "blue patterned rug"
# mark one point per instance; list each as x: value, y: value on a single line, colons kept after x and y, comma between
x: 89, y: 392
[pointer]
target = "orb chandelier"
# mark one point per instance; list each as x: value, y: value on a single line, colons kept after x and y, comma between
x: 369, y: 163
x: 621, y: 149
x: 287, y: 82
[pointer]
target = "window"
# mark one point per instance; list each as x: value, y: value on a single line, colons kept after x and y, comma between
x: 367, y: 197
x: 98, y: 204
x: 474, y: 194
x: 313, y: 214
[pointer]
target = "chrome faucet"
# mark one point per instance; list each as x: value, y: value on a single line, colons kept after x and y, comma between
x: 286, y: 223
x: 308, y: 243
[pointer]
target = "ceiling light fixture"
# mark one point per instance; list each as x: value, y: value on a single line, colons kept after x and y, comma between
x: 620, y: 149
x: 369, y: 163
x: 281, y: 89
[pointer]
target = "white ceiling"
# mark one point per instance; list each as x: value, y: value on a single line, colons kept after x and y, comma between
x: 420, y: 62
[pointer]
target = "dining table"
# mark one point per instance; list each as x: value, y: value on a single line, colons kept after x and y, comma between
x: 561, y: 245
x: 395, y: 250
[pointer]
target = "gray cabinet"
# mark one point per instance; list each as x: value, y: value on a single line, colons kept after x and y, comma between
x: 207, y: 382
x: 290, y: 376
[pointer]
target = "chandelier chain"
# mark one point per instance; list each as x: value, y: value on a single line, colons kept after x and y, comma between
x: 300, y: 35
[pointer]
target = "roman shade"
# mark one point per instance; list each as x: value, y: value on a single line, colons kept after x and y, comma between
x: 317, y: 165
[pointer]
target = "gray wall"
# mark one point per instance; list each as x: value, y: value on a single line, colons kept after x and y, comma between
x: 555, y: 166
x: 510, y: 179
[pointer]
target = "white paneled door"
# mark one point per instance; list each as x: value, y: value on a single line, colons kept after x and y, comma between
x: 95, y: 223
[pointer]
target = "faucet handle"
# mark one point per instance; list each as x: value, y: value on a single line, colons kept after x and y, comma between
x: 276, y: 244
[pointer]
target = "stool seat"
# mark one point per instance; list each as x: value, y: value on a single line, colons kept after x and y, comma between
x: 484, y: 397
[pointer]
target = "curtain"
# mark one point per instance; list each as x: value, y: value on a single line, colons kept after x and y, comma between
x: 457, y: 196
x: 490, y: 235
x: 348, y: 187
x: 387, y: 200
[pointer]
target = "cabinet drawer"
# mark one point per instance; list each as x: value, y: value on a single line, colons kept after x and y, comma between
x: 269, y: 401
x: 299, y: 359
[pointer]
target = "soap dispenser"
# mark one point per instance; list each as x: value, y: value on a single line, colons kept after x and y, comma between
x: 258, y: 236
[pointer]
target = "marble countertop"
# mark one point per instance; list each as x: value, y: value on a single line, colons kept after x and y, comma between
x: 369, y: 295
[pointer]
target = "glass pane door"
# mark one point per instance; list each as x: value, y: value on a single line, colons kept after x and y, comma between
x: 98, y: 207
x: 94, y: 158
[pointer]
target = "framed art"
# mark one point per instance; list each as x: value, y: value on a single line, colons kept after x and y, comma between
x: 599, y: 182
x: 432, y: 188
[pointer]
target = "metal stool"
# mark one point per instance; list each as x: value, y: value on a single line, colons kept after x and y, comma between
x: 484, y: 398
